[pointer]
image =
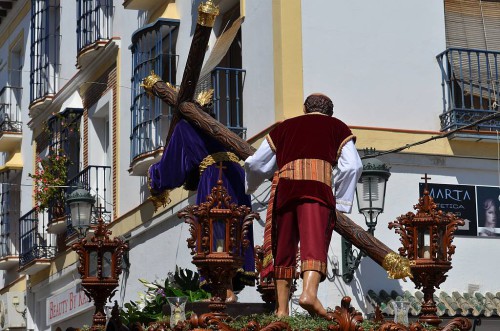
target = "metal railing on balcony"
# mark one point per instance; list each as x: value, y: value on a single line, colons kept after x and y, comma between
x: 153, y: 49
x: 34, y: 241
x: 471, y: 88
x: 10, y: 109
x: 94, y: 21
x: 97, y: 180
x: 45, y: 48
x: 228, y: 103
x: 9, y: 212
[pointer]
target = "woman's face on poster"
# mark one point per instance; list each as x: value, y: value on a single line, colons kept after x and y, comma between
x: 491, y: 216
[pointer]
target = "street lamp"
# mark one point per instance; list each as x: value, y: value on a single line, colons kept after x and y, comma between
x: 370, y: 195
x: 370, y: 190
x: 80, y: 203
x: 100, y: 256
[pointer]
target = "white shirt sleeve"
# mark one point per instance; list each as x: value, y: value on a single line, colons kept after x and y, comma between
x: 346, y: 175
x: 259, y: 167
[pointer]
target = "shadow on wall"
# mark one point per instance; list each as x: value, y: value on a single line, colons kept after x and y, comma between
x: 371, y: 276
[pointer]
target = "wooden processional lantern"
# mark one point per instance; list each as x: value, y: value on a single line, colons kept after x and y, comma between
x: 100, y: 267
x: 427, y: 238
x: 218, y: 259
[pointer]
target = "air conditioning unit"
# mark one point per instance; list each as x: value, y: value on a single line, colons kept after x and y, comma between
x: 12, y: 311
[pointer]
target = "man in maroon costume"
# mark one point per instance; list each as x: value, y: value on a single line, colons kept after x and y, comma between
x: 301, y: 153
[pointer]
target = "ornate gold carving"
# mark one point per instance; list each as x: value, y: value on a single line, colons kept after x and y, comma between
x: 207, y: 12
x: 205, y: 97
x: 217, y: 157
x: 397, y: 266
x: 160, y: 200
x: 150, y: 81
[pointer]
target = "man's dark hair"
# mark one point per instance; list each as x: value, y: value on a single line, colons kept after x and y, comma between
x: 318, y: 103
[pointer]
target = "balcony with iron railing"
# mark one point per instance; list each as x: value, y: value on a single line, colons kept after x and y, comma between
x: 153, y: 49
x: 10, y: 118
x: 95, y: 179
x: 36, y: 246
x: 94, y: 28
x: 9, y: 214
x: 45, y: 47
x: 471, y: 91
x: 228, y: 98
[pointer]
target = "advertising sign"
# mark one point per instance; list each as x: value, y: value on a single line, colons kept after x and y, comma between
x: 66, y: 304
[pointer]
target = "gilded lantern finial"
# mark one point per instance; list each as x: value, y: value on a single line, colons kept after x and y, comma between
x: 150, y: 81
x: 397, y: 266
x: 207, y: 12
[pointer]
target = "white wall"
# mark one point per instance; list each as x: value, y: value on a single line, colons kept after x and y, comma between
x: 376, y: 59
x: 258, y: 92
x: 68, y: 46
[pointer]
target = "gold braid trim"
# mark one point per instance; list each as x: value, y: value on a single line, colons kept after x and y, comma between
x: 397, y: 266
x: 158, y: 199
x: 217, y: 157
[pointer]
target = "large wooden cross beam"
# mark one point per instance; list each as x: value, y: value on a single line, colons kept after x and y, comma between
x: 184, y: 107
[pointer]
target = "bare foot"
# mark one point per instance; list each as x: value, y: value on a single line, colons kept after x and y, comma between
x: 231, y: 297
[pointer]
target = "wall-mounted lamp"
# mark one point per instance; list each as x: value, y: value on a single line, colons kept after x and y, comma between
x: 80, y: 203
x: 370, y: 195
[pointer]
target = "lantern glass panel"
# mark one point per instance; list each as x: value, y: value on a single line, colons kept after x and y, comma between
x: 93, y: 264
x: 80, y: 215
x: 370, y: 195
x: 218, y: 235
x: 106, y: 264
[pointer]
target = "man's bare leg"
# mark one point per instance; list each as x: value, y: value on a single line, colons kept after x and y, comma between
x: 309, y: 297
x: 282, y: 296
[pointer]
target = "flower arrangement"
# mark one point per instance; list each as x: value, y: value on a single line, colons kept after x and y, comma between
x: 50, y: 174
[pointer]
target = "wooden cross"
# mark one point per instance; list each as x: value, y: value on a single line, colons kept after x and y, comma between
x: 182, y: 100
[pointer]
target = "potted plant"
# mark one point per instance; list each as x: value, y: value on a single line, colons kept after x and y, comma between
x: 49, y: 179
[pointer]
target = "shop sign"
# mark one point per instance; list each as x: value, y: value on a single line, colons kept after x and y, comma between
x: 66, y: 304
x: 478, y: 206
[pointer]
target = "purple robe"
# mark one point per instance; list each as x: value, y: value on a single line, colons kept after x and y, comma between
x: 182, y: 157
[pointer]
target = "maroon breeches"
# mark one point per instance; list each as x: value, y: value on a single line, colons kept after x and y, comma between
x: 311, y: 223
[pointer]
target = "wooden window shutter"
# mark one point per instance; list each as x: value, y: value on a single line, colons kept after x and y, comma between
x: 472, y: 24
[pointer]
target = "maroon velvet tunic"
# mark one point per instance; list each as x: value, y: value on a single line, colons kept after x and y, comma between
x: 310, y: 136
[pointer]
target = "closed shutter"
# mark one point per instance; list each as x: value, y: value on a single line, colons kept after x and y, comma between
x: 474, y: 25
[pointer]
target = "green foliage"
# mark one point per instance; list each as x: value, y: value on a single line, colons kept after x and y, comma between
x: 298, y: 321
x: 149, y: 307
x: 49, y: 177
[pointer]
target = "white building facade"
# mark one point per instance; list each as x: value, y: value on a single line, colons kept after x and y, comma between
x: 397, y: 72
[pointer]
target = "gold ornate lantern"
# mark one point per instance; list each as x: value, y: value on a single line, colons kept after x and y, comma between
x: 100, y: 267
x: 427, y: 238
x: 218, y: 259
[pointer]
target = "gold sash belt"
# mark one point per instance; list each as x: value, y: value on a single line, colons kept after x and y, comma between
x: 308, y: 169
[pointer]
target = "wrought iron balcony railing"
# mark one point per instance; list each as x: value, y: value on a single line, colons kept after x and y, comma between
x: 10, y: 109
x: 10, y: 198
x: 34, y: 241
x: 97, y: 180
x: 153, y: 49
x: 45, y: 49
x: 471, y: 88
x: 228, y: 103
x: 94, y: 21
